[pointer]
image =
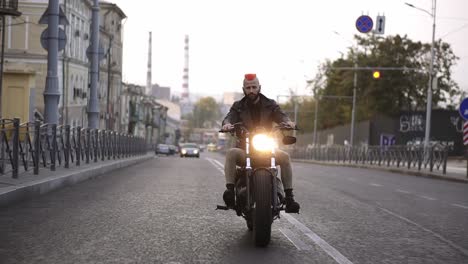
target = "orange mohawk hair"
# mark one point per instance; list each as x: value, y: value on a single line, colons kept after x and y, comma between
x: 250, y: 76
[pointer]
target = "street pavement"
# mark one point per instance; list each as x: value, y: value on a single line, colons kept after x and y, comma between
x: 163, y: 211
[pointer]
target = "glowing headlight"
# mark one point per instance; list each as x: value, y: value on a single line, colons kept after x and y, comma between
x: 184, y: 151
x: 263, y: 142
x: 195, y: 151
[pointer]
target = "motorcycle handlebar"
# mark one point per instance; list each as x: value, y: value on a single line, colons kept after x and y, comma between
x: 280, y: 127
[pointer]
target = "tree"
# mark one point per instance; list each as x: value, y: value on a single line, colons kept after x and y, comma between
x: 395, y: 90
x: 205, y: 112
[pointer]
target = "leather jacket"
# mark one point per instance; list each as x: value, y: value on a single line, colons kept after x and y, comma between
x: 270, y: 112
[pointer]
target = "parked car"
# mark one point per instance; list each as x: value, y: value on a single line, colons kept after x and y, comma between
x: 189, y: 150
x: 163, y: 149
x: 172, y: 149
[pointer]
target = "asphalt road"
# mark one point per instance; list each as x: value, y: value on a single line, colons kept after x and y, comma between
x: 162, y: 211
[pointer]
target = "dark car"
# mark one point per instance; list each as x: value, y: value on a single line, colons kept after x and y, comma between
x: 189, y: 150
x: 163, y: 149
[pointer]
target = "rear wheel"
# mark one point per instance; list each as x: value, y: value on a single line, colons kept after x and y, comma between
x: 262, y: 213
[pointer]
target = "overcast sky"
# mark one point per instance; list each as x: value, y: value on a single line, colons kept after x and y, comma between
x: 282, y: 41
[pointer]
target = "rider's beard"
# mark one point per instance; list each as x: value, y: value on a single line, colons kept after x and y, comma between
x: 252, y: 97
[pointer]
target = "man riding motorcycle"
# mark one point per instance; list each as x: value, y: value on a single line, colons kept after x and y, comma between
x: 255, y: 110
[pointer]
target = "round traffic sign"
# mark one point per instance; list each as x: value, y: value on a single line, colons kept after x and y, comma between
x: 62, y: 39
x: 364, y: 24
x: 463, y: 110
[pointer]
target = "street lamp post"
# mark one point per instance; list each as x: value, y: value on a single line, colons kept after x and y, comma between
x: 431, y: 73
x: 353, y: 111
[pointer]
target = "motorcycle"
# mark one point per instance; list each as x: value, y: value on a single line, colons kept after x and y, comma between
x: 259, y: 194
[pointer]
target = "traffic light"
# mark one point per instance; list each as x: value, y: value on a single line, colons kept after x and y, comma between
x: 376, y: 74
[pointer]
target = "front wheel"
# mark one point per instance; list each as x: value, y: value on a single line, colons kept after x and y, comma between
x: 262, y: 213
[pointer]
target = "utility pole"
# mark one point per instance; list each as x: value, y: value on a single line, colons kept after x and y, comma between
x: 93, y: 105
x: 2, y: 62
x: 429, y: 87
x: 109, y: 78
x: 315, y: 119
x: 353, y: 111
x: 51, y: 92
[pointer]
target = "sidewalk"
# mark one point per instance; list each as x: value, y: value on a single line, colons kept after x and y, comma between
x: 456, y: 169
x: 28, y: 185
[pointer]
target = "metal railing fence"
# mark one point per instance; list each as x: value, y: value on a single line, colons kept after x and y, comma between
x: 409, y: 156
x: 37, y: 145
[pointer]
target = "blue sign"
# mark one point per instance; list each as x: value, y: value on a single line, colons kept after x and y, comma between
x: 464, y: 109
x: 364, y: 24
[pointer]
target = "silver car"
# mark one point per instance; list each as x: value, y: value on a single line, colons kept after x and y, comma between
x: 189, y: 150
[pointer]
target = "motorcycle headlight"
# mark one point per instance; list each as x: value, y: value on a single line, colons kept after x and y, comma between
x: 262, y: 142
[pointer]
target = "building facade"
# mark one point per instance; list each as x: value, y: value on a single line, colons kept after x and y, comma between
x: 26, y: 61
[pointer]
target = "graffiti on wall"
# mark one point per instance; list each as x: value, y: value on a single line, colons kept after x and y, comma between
x: 412, y: 123
x: 446, y: 129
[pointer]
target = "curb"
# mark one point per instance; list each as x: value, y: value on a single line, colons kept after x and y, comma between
x: 36, y: 188
x: 393, y: 170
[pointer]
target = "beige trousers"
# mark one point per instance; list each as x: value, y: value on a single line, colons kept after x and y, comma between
x: 236, y: 156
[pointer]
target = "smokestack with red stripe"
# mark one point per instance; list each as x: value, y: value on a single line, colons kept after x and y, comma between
x: 185, y: 83
x: 148, y: 75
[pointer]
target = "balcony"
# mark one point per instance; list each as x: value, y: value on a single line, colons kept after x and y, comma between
x: 9, y: 8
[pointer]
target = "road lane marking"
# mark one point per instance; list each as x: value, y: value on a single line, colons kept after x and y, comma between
x: 376, y: 184
x: 219, y: 163
x: 299, y: 244
x: 427, y: 197
x: 402, y: 191
x: 331, y: 251
x: 215, y: 165
x: 462, y: 250
x: 462, y: 206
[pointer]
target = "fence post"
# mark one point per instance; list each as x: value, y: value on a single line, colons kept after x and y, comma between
x: 114, y: 145
x: 67, y: 146
x: 37, y: 145
x: 445, y: 160
x: 103, y: 145
x: 78, y: 147
x: 109, y: 145
x: 86, y: 145
x: 119, y: 145
x: 15, y: 161
x: 420, y: 157
x: 96, y: 146
x: 54, y: 147
x: 431, y: 159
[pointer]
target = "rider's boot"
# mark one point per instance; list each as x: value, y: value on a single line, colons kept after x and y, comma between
x: 228, y: 195
x: 291, y: 205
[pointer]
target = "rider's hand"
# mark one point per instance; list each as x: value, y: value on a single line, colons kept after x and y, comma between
x: 227, y: 127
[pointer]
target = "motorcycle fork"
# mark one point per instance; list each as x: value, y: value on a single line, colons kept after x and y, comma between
x: 274, y: 174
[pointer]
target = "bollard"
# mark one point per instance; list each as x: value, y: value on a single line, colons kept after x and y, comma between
x: 15, y: 143
x: 54, y: 147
